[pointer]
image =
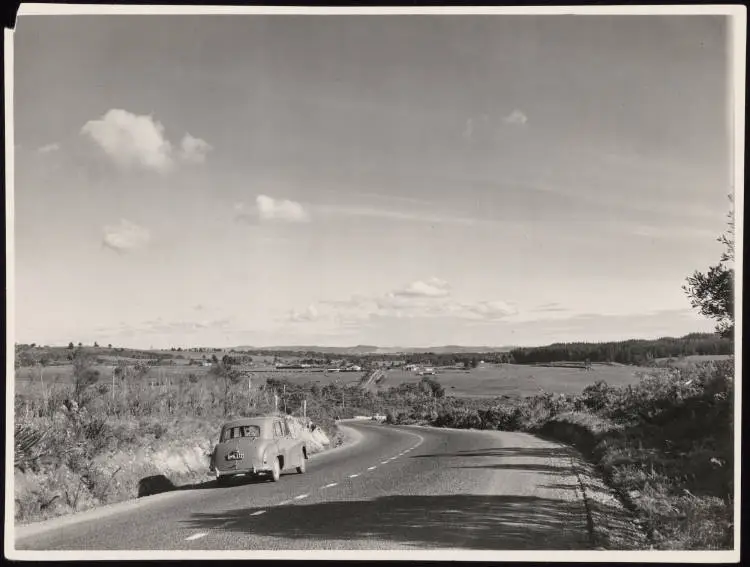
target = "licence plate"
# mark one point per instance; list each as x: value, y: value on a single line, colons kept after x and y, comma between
x: 235, y: 456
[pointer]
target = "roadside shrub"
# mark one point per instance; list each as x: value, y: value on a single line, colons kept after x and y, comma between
x: 595, y: 397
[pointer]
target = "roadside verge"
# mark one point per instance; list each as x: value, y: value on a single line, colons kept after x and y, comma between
x: 179, y: 468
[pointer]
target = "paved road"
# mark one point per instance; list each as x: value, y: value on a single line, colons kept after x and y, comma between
x: 397, y: 488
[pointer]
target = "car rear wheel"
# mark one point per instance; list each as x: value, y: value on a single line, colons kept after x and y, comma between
x: 302, y: 467
x: 276, y: 470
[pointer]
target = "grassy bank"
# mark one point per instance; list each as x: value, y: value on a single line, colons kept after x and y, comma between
x: 83, y: 462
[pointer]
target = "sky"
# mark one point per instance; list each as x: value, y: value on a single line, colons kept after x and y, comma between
x: 387, y: 180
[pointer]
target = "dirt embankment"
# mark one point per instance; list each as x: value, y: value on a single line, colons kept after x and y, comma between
x: 176, y: 459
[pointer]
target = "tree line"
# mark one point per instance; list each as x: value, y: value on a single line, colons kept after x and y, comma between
x: 626, y: 352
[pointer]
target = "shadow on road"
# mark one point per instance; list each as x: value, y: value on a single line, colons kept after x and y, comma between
x: 535, y: 467
x: 451, y: 521
x: 539, y: 452
x: 534, y: 454
x: 159, y: 483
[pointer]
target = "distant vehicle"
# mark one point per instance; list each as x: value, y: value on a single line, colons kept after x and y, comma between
x: 257, y: 446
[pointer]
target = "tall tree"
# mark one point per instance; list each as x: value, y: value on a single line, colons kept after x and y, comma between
x: 712, y: 292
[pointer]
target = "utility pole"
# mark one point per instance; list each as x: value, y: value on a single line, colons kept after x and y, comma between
x: 304, y: 408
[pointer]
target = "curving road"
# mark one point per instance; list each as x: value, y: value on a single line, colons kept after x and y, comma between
x: 395, y: 488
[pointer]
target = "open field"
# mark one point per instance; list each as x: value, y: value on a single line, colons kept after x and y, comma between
x: 488, y: 380
x: 519, y: 380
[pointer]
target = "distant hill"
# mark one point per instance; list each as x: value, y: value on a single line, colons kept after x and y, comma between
x: 371, y: 349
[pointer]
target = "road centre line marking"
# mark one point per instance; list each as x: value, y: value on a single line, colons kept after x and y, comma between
x: 330, y: 485
x: 285, y: 502
x: 371, y: 468
x: 258, y: 513
x: 353, y: 475
x: 195, y: 536
x: 383, y: 462
x: 301, y: 496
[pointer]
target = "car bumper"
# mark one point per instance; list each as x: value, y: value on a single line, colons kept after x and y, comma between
x: 255, y: 469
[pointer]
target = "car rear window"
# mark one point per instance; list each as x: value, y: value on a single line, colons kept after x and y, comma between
x: 240, y: 431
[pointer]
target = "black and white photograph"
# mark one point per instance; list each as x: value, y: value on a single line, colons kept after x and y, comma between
x: 374, y: 283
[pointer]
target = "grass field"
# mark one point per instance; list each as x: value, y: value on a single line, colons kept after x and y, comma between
x: 487, y: 380
x: 519, y: 380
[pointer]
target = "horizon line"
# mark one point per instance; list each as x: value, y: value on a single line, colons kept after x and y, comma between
x: 312, y: 347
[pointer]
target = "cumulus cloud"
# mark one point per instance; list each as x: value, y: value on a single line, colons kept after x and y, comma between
x: 516, y: 117
x: 422, y: 299
x: 132, y: 140
x: 49, y: 148
x: 126, y: 236
x: 433, y: 287
x: 194, y: 149
x: 270, y: 209
x: 309, y: 314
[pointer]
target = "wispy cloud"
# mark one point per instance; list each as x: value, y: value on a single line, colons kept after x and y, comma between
x: 550, y: 307
x: 396, y: 215
x: 139, y: 141
x: 475, y: 127
x: 126, y: 236
x: 468, y: 129
x: 664, y: 232
x: 516, y: 117
x: 49, y: 148
x: 492, y: 310
x: 160, y: 326
x: 244, y: 213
